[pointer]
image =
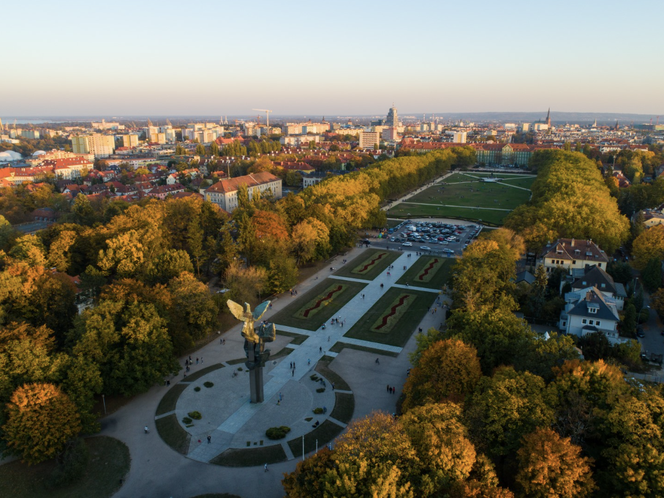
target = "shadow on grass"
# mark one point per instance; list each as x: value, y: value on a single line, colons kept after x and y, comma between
x: 170, y: 399
x: 250, y: 457
x: 344, y: 406
x: 340, y: 346
x: 325, y: 433
x: 109, y: 463
x: 297, y: 338
x: 173, y: 434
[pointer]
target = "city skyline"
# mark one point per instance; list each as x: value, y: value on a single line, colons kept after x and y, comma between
x: 74, y: 58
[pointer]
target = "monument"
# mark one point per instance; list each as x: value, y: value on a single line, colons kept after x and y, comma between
x: 254, y: 343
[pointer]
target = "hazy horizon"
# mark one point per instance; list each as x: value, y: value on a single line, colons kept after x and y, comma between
x: 210, y: 58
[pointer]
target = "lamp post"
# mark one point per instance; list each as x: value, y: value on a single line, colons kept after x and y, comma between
x: 103, y: 400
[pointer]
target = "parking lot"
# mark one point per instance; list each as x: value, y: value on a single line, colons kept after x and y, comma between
x: 432, y: 237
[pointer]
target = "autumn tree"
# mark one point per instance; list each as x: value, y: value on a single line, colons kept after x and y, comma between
x: 647, y: 246
x: 307, y: 479
x: 41, y: 419
x: 447, y: 371
x: 245, y: 283
x: 552, y: 466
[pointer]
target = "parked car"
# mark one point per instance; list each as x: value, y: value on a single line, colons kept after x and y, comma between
x: 407, y: 244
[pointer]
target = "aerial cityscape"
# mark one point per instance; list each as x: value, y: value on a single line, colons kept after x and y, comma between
x: 225, y: 228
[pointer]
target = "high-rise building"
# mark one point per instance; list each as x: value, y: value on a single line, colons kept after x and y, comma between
x: 392, y: 118
x: 369, y: 139
x: 99, y: 145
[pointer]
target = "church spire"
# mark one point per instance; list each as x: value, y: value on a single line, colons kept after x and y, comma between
x: 548, y: 118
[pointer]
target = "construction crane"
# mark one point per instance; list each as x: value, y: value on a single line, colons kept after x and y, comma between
x: 267, y: 114
x: 657, y: 124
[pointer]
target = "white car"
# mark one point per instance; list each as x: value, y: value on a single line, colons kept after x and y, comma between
x: 425, y: 248
x: 407, y: 244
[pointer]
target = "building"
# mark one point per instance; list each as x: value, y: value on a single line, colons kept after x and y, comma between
x: 587, y: 311
x: 390, y: 134
x: 392, y: 120
x: 596, y: 277
x: 129, y: 141
x: 369, y: 139
x: 96, y: 144
x: 573, y: 254
x: 460, y: 137
x: 224, y: 192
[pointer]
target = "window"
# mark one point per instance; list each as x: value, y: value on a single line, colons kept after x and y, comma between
x: 597, y: 323
x: 592, y: 310
x: 590, y: 322
x: 584, y: 321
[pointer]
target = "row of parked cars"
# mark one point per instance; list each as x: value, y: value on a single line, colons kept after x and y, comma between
x: 409, y: 233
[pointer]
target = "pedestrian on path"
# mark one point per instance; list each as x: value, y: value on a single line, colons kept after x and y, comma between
x: 209, y: 438
x: 147, y: 431
x: 377, y: 361
x: 308, y: 361
x: 320, y: 349
x: 265, y: 468
x: 388, y: 388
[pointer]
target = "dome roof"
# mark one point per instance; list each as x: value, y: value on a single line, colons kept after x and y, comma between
x: 9, y: 155
x: 38, y: 153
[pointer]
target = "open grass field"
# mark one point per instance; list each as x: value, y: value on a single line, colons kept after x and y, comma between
x: 520, y: 182
x: 318, y: 305
x: 488, y: 195
x: 431, y: 272
x: 170, y: 399
x: 391, y: 320
x: 108, y: 464
x: 172, y: 433
x: 408, y: 211
x: 368, y: 265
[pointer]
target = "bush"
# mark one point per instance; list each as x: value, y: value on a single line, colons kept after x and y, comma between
x: 197, y: 388
x: 320, y: 390
x: 308, y: 419
x: 208, y: 384
x: 644, y: 315
x: 277, y: 432
x: 72, y: 465
x: 195, y: 415
x: 239, y: 369
x: 318, y: 411
x: 186, y: 420
x: 314, y: 377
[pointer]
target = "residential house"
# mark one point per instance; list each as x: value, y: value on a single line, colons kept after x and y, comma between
x: 587, y: 311
x: 573, y: 254
x: 594, y: 276
x: 224, y: 192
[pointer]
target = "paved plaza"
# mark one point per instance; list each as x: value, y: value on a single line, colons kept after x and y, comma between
x: 233, y: 422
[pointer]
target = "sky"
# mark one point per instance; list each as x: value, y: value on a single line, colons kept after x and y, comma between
x: 346, y: 57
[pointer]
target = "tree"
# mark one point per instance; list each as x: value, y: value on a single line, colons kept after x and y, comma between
x: 552, y: 466
x: 214, y: 149
x: 506, y: 407
x: 543, y: 355
x: 374, y: 456
x: 307, y: 479
x: 200, y: 150
x: 59, y: 255
x: 41, y: 419
x: 657, y: 302
x: 649, y: 245
x: 628, y: 324
x: 652, y: 275
x: 447, y: 371
x: 441, y: 442
x: 282, y: 274
x: 168, y: 265
x: 245, y: 284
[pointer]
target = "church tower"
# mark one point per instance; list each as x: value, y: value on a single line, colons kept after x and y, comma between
x: 548, y: 118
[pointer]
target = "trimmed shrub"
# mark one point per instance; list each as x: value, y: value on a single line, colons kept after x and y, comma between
x: 314, y: 377
x: 186, y: 420
x: 197, y: 388
x: 277, y: 432
x: 195, y: 415
x: 318, y: 411
x: 320, y: 390
x: 208, y: 384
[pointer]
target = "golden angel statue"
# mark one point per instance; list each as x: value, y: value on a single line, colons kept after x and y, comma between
x: 255, y: 339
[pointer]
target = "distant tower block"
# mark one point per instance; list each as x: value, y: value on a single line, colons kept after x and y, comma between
x: 392, y: 117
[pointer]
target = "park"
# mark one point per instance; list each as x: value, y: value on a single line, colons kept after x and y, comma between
x: 473, y: 196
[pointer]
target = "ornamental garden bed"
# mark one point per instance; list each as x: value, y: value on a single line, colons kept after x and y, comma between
x: 394, y: 317
x: 368, y: 265
x: 317, y: 306
x: 432, y: 272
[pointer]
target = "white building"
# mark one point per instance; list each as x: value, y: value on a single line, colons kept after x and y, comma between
x: 573, y: 254
x: 96, y: 144
x: 369, y: 139
x: 587, y: 311
x: 224, y: 192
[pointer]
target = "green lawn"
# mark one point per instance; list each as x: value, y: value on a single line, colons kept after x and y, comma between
x: 107, y: 467
x: 323, y: 368
x: 408, y: 211
x: 297, y: 338
x: 344, y: 406
x: 520, y: 182
x: 170, y: 399
x: 398, y: 332
x: 340, y: 346
x: 489, y: 195
x: 172, y: 433
x: 200, y: 373
x: 250, y: 457
x: 368, y: 265
x: 439, y: 274
x: 323, y: 434
x: 292, y: 315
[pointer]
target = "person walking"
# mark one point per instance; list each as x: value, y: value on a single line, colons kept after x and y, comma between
x: 209, y: 438
x: 147, y: 431
x: 265, y: 468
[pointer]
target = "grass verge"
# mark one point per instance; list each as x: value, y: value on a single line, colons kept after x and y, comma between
x: 238, y: 457
x: 487, y: 216
x: 172, y: 433
x: 344, y: 406
x: 401, y: 330
x: 438, y: 279
x: 324, y: 433
x: 297, y: 338
x: 236, y: 361
x: 170, y: 399
x: 366, y: 257
x: 323, y: 368
x: 109, y: 463
x: 340, y: 346
x: 287, y: 316
x: 197, y: 375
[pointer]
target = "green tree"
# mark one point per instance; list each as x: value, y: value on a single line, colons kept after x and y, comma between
x: 652, y: 275
x: 506, y: 407
x: 649, y: 245
x: 200, y: 150
x: 168, y: 265
x: 307, y: 479
x: 628, y: 324
x: 41, y: 419
x: 214, y: 149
